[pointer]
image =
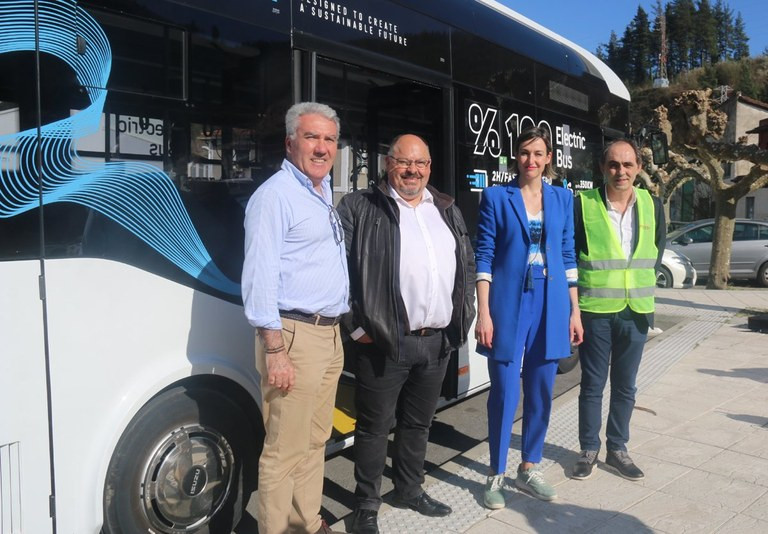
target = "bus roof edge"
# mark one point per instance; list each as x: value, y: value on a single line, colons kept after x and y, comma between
x: 614, y: 83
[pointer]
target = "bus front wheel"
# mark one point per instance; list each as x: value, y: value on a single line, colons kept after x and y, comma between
x: 181, y: 466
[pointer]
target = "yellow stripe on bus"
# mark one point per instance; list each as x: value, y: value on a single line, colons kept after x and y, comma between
x: 342, y: 422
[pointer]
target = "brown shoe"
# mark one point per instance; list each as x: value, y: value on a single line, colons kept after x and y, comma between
x: 325, y: 529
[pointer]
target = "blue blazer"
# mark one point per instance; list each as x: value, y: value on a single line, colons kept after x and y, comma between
x: 503, y: 240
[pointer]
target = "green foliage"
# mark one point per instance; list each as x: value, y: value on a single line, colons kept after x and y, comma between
x: 698, y: 34
x: 645, y: 100
x: 680, y: 34
x: 740, y: 39
x: 724, y: 30
x: 641, y: 51
x: 746, y: 83
x: 749, y: 76
x: 708, y: 77
x: 705, y: 38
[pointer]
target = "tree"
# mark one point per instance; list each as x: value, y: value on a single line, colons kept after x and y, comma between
x: 641, y: 51
x: 681, y: 31
x: 746, y: 84
x: 698, y: 34
x: 695, y: 129
x: 613, y: 55
x: 625, y: 60
x: 656, y: 40
x: 740, y: 39
x: 705, y: 38
x: 708, y: 77
x: 724, y: 30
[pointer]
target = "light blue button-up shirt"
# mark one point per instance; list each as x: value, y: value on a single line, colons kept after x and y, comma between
x: 294, y: 251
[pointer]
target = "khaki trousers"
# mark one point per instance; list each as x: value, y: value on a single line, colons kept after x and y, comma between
x: 297, y: 425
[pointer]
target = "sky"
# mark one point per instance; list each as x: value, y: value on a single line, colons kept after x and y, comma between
x: 589, y: 24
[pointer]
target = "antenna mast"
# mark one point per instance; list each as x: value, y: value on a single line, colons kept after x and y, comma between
x: 662, y: 80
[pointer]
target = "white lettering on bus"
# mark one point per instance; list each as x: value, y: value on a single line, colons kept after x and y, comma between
x: 138, y: 125
x: 482, y: 121
x: 341, y: 14
x: 570, y: 140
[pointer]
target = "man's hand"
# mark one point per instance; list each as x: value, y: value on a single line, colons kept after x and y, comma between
x: 280, y: 371
x: 365, y: 338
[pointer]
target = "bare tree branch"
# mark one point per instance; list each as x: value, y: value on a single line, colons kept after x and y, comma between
x: 695, y: 130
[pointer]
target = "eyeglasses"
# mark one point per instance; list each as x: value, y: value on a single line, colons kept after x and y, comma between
x: 338, y: 230
x: 421, y: 164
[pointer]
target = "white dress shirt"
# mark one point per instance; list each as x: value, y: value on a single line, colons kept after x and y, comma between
x: 427, y: 263
x: 623, y: 223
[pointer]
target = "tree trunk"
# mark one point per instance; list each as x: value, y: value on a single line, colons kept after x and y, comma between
x: 722, y: 240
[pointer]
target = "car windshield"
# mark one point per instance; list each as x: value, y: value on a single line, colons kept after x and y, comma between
x: 674, y: 234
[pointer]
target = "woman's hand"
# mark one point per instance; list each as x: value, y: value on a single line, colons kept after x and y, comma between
x: 577, y: 330
x: 484, y: 329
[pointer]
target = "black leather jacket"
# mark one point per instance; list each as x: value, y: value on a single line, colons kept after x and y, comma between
x: 370, y: 218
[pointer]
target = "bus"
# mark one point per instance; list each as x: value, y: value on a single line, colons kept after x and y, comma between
x: 132, y: 133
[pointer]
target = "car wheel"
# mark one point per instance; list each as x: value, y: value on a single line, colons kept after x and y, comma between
x: 762, y: 275
x: 181, y: 466
x: 664, y: 277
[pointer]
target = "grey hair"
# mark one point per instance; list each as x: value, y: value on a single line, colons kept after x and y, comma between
x: 305, y: 108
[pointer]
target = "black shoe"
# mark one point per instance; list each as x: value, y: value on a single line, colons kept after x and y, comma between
x: 365, y: 522
x: 622, y: 463
x: 582, y: 469
x: 424, y: 504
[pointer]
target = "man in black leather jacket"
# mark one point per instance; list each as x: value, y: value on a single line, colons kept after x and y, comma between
x: 412, y: 277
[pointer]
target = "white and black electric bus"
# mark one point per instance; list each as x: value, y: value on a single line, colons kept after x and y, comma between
x: 132, y: 132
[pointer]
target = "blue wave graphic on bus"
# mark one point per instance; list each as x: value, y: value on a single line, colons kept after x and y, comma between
x: 136, y: 195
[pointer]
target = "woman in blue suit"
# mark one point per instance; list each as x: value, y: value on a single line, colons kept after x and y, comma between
x: 528, y: 311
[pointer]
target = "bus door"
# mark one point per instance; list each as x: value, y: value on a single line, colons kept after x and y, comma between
x: 374, y: 107
x: 31, y: 88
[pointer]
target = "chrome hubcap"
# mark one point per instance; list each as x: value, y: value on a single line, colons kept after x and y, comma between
x: 187, y: 479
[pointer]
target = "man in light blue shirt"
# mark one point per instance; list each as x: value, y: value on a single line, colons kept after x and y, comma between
x: 295, y: 287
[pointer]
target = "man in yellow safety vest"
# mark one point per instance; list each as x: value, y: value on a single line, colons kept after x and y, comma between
x: 620, y: 235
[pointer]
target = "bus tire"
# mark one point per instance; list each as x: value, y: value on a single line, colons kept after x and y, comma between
x: 566, y: 365
x: 183, y: 464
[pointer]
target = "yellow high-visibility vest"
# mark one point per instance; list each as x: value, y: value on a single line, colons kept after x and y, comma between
x: 608, y: 281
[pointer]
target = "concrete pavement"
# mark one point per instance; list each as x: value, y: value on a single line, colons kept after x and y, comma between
x: 699, y: 431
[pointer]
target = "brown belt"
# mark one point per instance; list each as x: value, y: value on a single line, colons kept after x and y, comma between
x: 311, y: 318
x: 424, y: 332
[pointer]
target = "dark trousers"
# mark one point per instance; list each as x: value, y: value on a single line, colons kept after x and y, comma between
x: 613, y: 342
x: 406, y: 391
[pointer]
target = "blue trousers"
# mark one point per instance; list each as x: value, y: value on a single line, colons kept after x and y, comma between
x: 613, y: 342
x: 538, y: 377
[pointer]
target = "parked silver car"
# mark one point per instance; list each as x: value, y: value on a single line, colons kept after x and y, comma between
x: 749, y: 253
x: 676, y: 271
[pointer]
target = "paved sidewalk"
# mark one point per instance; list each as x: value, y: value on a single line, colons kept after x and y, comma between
x: 699, y: 431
